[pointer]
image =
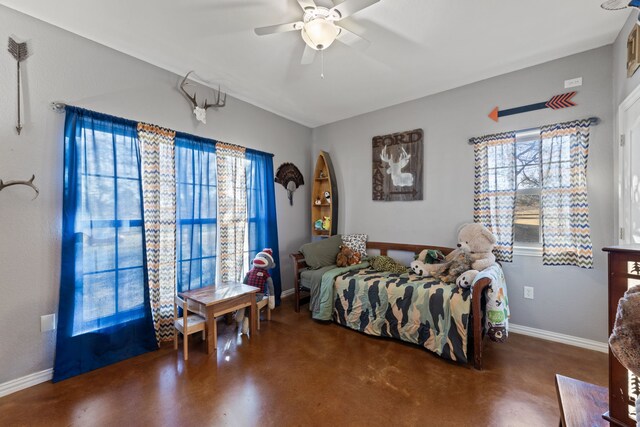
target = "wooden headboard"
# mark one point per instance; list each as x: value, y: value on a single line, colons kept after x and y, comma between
x: 385, y: 247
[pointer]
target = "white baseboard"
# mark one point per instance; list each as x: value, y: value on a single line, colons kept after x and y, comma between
x: 25, y: 382
x: 287, y: 293
x: 602, y: 347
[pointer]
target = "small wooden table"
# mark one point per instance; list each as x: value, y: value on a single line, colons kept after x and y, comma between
x: 217, y: 300
x: 581, y: 403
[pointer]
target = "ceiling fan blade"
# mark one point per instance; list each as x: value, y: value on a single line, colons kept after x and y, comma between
x: 349, y: 7
x: 280, y: 28
x: 308, y: 55
x: 352, y: 39
x: 615, y: 4
x: 307, y: 4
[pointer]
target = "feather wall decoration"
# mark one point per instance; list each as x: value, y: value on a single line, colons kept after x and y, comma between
x: 19, y: 51
x: 289, y: 176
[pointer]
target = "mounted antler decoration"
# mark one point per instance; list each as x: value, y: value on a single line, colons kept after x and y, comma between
x: 20, y: 52
x: 28, y: 183
x: 201, y: 111
x: 290, y: 177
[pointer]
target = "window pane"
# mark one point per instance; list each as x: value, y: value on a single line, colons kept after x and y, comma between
x: 98, y: 249
x: 98, y: 199
x: 208, y: 271
x: 528, y: 153
x: 99, y: 153
x: 208, y: 240
x: 129, y: 199
x: 527, y: 218
x: 99, y: 296
x: 504, y: 179
x: 529, y: 177
x: 130, y: 293
x: 130, y: 250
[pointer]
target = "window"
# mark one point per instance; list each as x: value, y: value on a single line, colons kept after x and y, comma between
x: 196, y: 222
x: 528, y: 176
x: 531, y: 188
x: 109, y: 232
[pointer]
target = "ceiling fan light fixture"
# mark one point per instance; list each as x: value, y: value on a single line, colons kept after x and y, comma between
x: 319, y: 33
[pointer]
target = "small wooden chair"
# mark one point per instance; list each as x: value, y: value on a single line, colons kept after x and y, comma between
x: 263, y: 304
x: 187, y: 324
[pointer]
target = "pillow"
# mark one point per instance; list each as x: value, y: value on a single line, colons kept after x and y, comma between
x: 321, y: 253
x: 356, y: 242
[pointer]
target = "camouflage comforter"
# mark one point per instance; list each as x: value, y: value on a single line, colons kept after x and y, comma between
x: 415, y: 309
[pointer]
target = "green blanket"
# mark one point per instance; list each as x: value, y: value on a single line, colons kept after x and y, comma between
x: 323, y: 307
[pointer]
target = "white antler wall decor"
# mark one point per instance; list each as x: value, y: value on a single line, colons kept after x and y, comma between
x: 28, y: 183
x: 200, y: 111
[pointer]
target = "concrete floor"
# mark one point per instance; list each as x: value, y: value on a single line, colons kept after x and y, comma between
x: 297, y: 372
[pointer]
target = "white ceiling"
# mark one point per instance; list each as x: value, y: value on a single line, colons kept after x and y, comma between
x: 418, y: 47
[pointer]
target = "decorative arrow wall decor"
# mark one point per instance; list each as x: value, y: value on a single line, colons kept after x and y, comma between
x: 19, y: 51
x: 555, y: 103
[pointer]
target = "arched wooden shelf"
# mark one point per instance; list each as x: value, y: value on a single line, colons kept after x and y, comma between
x: 324, y: 179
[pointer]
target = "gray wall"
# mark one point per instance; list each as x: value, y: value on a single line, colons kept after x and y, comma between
x: 69, y: 68
x: 623, y: 86
x: 568, y: 300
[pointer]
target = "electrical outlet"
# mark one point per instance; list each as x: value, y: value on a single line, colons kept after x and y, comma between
x: 528, y: 292
x: 47, y: 322
x: 573, y: 82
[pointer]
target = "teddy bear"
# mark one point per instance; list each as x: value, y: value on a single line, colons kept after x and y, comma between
x: 476, y: 240
x: 474, y: 251
x: 347, y: 257
x: 259, y: 277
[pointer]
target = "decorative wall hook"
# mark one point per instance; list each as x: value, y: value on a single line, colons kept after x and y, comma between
x: 28, y: 183
x: 19, y: 51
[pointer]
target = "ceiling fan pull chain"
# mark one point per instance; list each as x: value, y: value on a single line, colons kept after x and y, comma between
x: 322, y: 64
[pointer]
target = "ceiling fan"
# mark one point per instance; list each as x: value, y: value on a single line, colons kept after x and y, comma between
x: 318, y: 26
x: 619, y: 4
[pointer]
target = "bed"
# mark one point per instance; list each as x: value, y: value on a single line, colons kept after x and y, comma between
x: 440, y: 317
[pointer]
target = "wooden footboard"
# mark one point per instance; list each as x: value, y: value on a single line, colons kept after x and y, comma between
x: 478, y: 325
x: 479, y: 288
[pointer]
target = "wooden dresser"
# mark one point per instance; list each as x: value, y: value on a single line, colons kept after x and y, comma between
x: 624, y: 387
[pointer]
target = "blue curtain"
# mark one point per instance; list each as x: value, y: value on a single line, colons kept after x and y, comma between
x: 196, y: 205
x: 104, y: 311
x: 261, y: 211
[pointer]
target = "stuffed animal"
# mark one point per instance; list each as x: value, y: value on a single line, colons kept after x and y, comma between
x: 347, y: 257
x: 259, y: 277
x: 476, y: 240
x: 386, y: 263
x: 446, y: 272
x: 465, y: 280
x: 625, y: 337
x: 326, y: 223
x: 475, y: 243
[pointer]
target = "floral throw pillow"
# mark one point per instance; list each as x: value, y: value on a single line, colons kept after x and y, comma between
x: 356, y: 242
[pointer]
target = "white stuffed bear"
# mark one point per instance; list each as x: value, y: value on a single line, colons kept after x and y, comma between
x: 475, y: 243
x: 476, y: 240
x: 465, y: 280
